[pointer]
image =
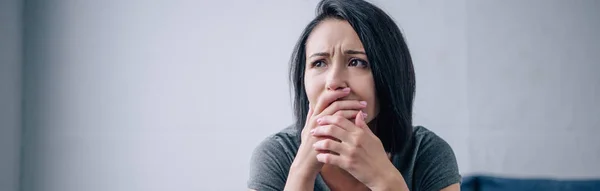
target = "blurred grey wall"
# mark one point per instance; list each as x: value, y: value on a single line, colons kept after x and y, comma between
x: 10, y: 92
x: 534, y: 87
x: 174, y: 95
x: 153, y: 95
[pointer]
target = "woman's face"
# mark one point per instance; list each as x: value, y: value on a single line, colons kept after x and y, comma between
x: 336, y: 59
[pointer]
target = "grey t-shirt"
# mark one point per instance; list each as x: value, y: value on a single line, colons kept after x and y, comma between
x: 428, y: 163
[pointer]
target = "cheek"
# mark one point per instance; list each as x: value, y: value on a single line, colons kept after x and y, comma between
x: 313, y: 87
x: 368, y: 93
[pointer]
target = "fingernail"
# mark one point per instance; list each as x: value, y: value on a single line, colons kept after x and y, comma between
x: 346, y: 90
x: 312, y: 131
x: 319, y: 120
x: 364, y: 115
x: 364, y: 103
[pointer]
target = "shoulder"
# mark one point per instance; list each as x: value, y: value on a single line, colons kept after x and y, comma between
x: 435, y: 163
x: 271, y: 159
x: 427, y: 142
x: 284, y: 142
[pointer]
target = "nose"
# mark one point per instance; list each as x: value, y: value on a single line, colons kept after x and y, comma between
x: 336, y: 78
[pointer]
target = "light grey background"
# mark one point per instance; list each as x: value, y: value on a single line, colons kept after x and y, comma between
x: 174, y: 95
x: 534, y: 87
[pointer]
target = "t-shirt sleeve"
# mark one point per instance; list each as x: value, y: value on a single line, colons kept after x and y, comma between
x: 268, y: 166
x: 436, y: 167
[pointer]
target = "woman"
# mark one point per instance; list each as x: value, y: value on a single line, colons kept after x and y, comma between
x: 354, y: 86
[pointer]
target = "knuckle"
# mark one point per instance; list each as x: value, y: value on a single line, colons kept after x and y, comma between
x: 338, y: 113
x: 335, y: 106
x: 326, y: 143
x: 328, y: 129
x: 337, y: 119
x: 359, y: 143
x: 359, y: 138
x: 350, y: 164
x: 352, y: 152
x: 327, y: 158
x: 310, y: 122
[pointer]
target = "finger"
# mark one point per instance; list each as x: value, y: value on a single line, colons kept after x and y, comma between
x: 309, y: 114
x: 348, y: 114
x: 360, y: 120
x: 328, y: 97
x: 330, y: 131
x: 329, y: 158
x: 329, y: 145
x: 337, y: 121
x: 307, y: 124
x: 343, y: 105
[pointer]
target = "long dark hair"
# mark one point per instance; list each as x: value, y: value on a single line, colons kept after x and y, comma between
x: 390, y: 61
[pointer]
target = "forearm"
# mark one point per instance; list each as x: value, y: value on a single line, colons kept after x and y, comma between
x: 300, y: 179
x: 392, y: 181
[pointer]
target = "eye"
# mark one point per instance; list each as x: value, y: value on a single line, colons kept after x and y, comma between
x: 319, y: 63
x: 358, y: 63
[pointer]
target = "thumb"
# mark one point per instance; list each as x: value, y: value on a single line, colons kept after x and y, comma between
x: 359, y: 120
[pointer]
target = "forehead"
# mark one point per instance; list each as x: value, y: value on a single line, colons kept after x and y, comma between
x: 332, y: 33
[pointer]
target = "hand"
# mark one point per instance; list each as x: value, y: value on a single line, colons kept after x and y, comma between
x: 326, y: 106
x: 359, y: 152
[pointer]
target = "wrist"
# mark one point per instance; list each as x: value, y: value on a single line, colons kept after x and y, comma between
x: 304, y: 171
x: 391, y: 180
x: 300, y: 178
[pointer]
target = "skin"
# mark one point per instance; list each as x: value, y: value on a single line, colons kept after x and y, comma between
x: 337, y: 140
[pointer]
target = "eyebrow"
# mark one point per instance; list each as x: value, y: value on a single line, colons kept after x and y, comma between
x: 345, y: 52
x: 354, y: 52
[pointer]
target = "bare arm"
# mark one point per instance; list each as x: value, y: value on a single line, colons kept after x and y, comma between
x: 300, y: 179
x: 453, y: 187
